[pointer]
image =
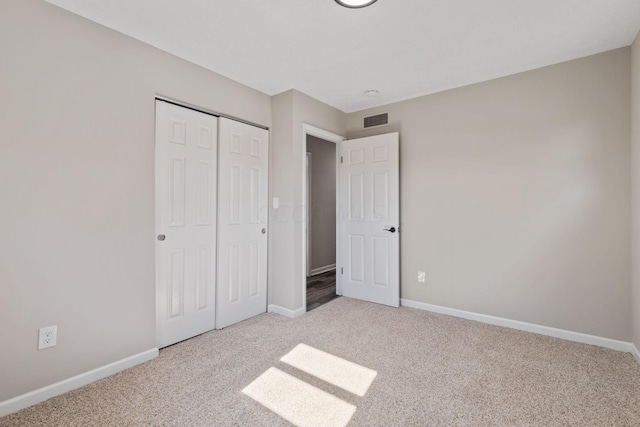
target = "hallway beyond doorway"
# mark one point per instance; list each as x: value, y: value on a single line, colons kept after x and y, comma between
x: 321, y: 289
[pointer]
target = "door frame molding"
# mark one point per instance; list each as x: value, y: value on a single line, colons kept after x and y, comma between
x: 308, y: 129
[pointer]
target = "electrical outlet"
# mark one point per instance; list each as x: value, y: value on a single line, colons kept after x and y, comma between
x: 422, y: 276
x: 47, y: 337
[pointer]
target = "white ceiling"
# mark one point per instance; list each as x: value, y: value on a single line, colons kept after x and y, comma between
x: 402, y: 48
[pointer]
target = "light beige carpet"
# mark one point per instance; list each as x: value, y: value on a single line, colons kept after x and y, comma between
x: 432, y: 370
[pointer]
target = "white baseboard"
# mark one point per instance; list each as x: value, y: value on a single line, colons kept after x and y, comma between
x: 28, y: 399
x: 635, y: 352
x: 321, y: 270
x: 285, y: 311
x: 524, y: 326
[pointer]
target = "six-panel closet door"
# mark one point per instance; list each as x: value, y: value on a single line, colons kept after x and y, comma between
x: 242, y: 221
x: 186, y: 175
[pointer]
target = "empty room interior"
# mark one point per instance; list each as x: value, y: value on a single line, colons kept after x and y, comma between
x: 320, y: 213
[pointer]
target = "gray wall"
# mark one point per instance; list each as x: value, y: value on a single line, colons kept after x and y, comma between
x: 287, y: 239
x: 282, y: 248
x: 635, y: 197
x: 515, y: 195
x: 323, y: 202
x: 77, y: 185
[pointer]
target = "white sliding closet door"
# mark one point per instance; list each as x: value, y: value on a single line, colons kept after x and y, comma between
x: 186, y: 164
x: 242, y: 221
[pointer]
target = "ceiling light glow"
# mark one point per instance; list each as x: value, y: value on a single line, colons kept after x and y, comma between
x: 355, y: 4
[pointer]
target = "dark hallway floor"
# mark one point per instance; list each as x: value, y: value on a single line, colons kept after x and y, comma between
x: 321, y: 289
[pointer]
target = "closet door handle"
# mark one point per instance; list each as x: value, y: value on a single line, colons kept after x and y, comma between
x: 392, y: 229
x: 161, y: 237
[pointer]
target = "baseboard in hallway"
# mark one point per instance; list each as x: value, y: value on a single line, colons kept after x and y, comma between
x: 321, y: 270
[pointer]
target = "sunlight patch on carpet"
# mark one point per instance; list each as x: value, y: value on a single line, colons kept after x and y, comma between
x: 339, y: 372
x: 298, y: 402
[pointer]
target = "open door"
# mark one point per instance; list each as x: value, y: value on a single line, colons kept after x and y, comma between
x: 370, y: 247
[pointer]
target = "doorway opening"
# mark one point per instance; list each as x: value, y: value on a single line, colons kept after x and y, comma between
x: 321, y: 239
x: 321, y: 221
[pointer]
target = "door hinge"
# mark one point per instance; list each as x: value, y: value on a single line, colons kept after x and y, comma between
x: 341, y: 270
x: 341, y: 159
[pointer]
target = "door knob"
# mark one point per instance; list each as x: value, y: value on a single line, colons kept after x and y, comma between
x: 161, y: 237
x: 264, y: 230
x: 392, y: 229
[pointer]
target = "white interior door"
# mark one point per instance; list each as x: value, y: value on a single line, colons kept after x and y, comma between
x: 371, y: 219
x: 186, y: 164
x: 242, y: 221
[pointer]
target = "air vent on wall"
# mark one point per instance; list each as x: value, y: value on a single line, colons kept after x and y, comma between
x: 381, y: 119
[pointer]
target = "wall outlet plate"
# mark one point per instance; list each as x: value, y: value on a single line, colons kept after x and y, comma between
x: 47, y: 337
x: 422, y: 276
